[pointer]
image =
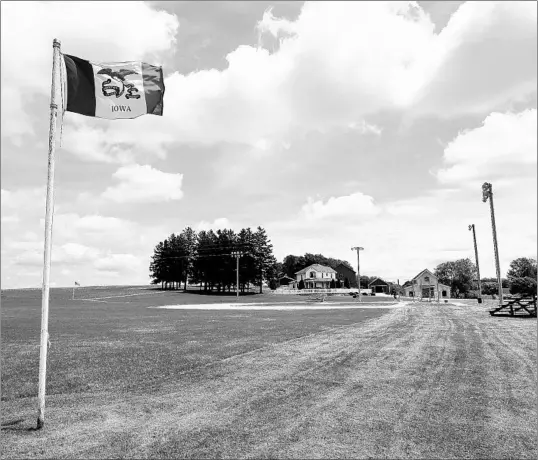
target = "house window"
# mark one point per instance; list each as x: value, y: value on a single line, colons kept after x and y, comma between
x: 311, y: 274
x: 427, y: 278
x: 444, y: 293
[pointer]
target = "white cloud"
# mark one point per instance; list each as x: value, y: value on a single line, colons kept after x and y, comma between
x: 219, y: 223
x: 10, y: 219
x: 503, y: 149
x: 350, y: 206
x: 118, y: 263
x: 144, y: 184
x: 342, y: 61
x: 23, y: 198
x: 338, y: 63
x: 484, y: 58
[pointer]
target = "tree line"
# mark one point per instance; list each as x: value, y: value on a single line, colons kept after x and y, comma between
x: 207, y: 258
x: 461, y: 276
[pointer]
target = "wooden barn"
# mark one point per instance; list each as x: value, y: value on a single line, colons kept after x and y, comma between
x: 426, y: 286
x: 343, y: 272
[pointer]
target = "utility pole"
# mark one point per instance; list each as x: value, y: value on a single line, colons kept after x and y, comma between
x: 487, y: 192
x: 358, y: 249
x: 471, y: 227
x: 237, y: 255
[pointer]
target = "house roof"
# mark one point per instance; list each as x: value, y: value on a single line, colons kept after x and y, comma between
x: 317, y: 268
x: 381, y: 282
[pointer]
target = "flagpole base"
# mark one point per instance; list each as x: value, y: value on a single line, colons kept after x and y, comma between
x: 40, y: 423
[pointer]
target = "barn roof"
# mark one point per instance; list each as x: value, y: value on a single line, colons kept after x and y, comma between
x: 425, y: 270
x: 378, y: 282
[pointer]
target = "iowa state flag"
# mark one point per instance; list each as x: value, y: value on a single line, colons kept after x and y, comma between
x: 113, y: 90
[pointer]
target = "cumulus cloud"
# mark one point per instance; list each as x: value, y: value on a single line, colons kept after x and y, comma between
x: 349, y: 206
x: 220, y: 223
x: 336, y: 64
x: 503, y: 149
x: 118, y: 263
x: 485, y: 57
x: 340, y: 62
x: 144, y: 184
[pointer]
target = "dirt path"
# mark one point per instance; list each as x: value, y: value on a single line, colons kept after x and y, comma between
x: 419, y: 382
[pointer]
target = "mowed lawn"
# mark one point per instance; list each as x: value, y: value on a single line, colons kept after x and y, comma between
x: 124, y: 380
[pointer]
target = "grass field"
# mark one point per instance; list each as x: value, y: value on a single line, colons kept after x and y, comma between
x: 128, y: 381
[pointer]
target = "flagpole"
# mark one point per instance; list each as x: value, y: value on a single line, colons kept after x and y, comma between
x: 48, y: 239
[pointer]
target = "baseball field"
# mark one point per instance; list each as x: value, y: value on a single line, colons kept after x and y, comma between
x: 135, y: 372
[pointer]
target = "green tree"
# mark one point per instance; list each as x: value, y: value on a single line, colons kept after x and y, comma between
x: 459, y: 275
x: 264, y: 258
x: 333, y: 284
x: 188, y: 246
x: 301, y: 284
x: 504, y: 281
x: 204, y: 269
x: 157, y: 265
x: 490, y: 288
x: 522, y: 276
x: 346, y: 283
x: 292, y: 264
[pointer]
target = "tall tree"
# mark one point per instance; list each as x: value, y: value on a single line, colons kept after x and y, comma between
x: 522, y: 276
x: 264, y: 258
x: 459, y: 275
x: 156, y: 266
x: 292, y: 264
x: 188, y: 249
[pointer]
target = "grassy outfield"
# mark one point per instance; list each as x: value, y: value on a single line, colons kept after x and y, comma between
x: 421, y: 381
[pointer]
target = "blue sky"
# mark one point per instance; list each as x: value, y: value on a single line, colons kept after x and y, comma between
x: 331, y: 124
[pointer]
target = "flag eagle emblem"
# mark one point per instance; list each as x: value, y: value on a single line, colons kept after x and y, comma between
x: 119, y: 76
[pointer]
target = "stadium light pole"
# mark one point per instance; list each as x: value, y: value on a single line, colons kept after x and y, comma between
x: 471, y: 227
x: 358, y: 249
x: 487, y: 192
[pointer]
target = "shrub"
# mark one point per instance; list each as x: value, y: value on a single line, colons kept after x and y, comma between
x: 523, y: 286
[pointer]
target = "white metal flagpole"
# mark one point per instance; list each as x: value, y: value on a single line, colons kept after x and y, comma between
x: 48, y: 239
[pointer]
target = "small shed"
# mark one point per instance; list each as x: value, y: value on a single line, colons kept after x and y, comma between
x: 379, y: 286
x: 286, y: 281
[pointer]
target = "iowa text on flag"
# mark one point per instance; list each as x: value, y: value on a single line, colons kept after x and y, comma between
x: 113, y: 90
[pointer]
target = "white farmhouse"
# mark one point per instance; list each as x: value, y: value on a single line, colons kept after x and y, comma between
x: 316, y: 276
